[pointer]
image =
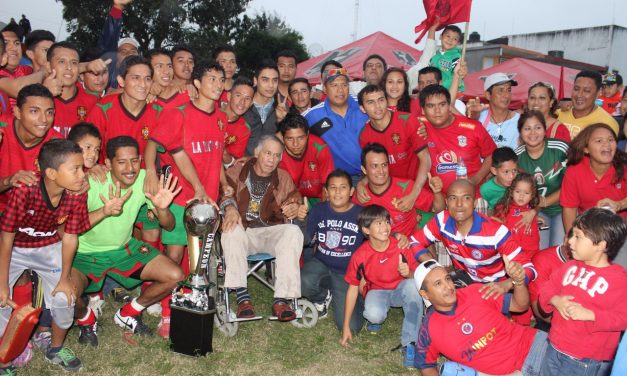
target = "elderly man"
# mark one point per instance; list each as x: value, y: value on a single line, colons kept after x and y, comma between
x: 257, y: 219
x: 473, y: 331
x: 339, y: 121
x: 374, y: 67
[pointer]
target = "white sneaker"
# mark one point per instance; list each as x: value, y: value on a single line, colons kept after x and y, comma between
x: 132, y: 323
x: 97, y: 305
x: 154, y: 310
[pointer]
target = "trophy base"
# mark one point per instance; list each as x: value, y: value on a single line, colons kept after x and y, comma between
x: 191, y: 331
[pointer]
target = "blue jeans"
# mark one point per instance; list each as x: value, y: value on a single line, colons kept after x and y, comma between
x: 555, y: 234
x: 378, y: 303
x: 316, y: 278
x: 557, y: 363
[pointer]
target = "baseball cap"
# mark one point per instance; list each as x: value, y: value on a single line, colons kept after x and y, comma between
x: 609, y: 79
x: 421, y: 273
x: 334, y: 73
x: 128, y: 40
x: 497, y: 79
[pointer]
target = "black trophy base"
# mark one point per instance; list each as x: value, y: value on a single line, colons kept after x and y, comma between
x: 191, y: 331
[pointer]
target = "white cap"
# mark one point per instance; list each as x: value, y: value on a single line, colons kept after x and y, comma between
x: 498, y: 79
x: 128, y: 40
x: 421, y: 273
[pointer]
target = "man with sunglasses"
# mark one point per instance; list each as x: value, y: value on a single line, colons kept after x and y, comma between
x: 339, y: 121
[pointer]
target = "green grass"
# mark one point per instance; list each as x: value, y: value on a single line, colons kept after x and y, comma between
x: 260, y: 348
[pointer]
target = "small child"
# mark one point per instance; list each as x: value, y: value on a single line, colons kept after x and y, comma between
x: 449, y: 55
x: 611, y: 93
x: 386, y: 272
x: 88, y: 137
x: 30, y: 240
x: 504, y: 168
x: 521, y: 197
x: 588, y: 295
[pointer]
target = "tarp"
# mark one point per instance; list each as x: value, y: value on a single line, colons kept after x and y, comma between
x: 352, y: 56
x: 526, y: 72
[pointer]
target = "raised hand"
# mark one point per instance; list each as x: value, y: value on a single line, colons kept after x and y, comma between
x: 98, y: 65
x: 514, y: 270
x: 53, y: 83
x: 281, y: 110
x: 114, y: 205
x: 403, y: 267
x: 435, y: 183
x: 166, y: 193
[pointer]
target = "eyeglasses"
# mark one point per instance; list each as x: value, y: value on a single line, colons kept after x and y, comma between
x: 337, y: 71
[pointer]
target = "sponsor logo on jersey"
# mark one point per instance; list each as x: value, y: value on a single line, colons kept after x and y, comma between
x: 325, y: 124
x: 470, y: 126
x: 30, y: 212
x: 61, y: 220
x: 36, y: 234
x: 446, y: 162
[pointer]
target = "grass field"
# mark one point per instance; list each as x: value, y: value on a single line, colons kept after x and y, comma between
x: 260, y: 348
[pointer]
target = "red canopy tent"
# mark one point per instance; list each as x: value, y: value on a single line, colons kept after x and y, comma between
x: 352, y: 56
x: 526, y: 72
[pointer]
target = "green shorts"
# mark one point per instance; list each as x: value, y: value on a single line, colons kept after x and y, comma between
x: 178, y: 235
x: 146, y: 222
x: 120, y: 264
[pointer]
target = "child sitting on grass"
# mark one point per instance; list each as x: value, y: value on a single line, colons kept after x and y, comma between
x: 386, y: 271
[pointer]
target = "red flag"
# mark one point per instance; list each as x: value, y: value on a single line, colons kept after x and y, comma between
x: 449, y: 11
x: 560, y: 94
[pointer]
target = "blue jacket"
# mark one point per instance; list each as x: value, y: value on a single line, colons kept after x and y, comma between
x: 340, y: 133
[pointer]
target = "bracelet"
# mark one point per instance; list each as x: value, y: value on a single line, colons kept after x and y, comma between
x: 227, y: 202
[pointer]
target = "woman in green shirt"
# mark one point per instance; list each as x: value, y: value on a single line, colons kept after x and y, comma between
x: 545, y: 160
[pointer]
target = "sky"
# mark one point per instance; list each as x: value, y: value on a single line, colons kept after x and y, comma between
x: 328, y: 24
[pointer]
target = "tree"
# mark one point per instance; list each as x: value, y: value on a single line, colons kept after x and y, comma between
x: 265, y: 35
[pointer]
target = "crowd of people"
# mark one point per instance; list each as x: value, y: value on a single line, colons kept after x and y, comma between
x: 500, y: 232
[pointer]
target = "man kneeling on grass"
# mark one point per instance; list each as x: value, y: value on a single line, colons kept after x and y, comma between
x: 108, y: 249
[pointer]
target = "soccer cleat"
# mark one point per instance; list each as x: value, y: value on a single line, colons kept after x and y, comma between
x: 132, y: 323
x: 65, y: 359
x: 164, y: 327
x: 120, y: 295
x: 88, y: 335
x: 41, y: 340
x: 409, y: 355
x: 373, y: 328
x: 323, y: 312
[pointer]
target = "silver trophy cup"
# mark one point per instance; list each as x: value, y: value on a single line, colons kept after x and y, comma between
x: 201, y: 220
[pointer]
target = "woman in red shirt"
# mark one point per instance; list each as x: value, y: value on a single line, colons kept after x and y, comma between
x: 541, y: 97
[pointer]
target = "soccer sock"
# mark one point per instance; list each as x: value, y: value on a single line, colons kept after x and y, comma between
x: 88, y: 319
x: 54, y: 350
x: 23, y: 294
x: 132, y: 309
x: 165, y: 306
x: 279, y: 300
x: 241, y: 294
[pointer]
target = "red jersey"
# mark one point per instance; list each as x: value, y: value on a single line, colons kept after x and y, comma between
x: 20, y: 71
x: 5, y: 103
x: 175, y: 100
x: 224, y: 98
x: 113, y: 120
x: 414, y: 108
x: 201, y: 136
x: 558, y: 131
x: 402, y: 142
x: 379, y: 269
x: 480, y: 253
x: 236, y: 136
x: 14, y: 156
x: 310, y: 171
x: 612, y: 104
x: 546, y: 262
x: 582, y: 190
x: 69, y: 112
x: 602, y: 290
x: 530, y: 242
x: 464, y: 138
x: 403, y: 222
x: 476, y: 333
x: 30, y: 215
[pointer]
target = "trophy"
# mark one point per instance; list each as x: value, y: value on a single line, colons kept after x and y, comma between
x: 191, y: 325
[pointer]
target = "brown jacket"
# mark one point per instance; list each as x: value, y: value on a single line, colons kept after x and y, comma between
x: 281, y: 190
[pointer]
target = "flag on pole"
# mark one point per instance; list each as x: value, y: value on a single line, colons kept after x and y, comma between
x: 560, y: 94
x: 449, y: 11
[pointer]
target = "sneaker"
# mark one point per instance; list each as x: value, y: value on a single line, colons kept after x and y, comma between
x: 24, y: 358
x: 88, y: 335
x: 154, y: 310
x: 120, y: 295
x: 373, y: 328
x: 409, y: 353
x: 164, y: 327
x: 96, y: 304
x: 65, y: 358
x: 323, y: 312
x: 132, y: 323
x: 41, y: 340
x: 8, y: 371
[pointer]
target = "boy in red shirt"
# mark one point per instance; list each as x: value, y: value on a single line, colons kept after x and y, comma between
x: 387, y: 271
x: 588, y: 295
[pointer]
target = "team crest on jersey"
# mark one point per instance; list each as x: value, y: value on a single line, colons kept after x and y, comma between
x: 619, y: 186
x: 220, y: 124
x: 462, y: 141
x: 61, y: 220
x: 446, y: 162
x: 476, y: 254
x: 145, y: 132
x: 81, y: 112
x: 516, y: 212
x: 467, y: 328
x: 313, y: 166
x: 333, y: 239
x: 396, y: 138
x: 230, y: 140
x: 538, y: 176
